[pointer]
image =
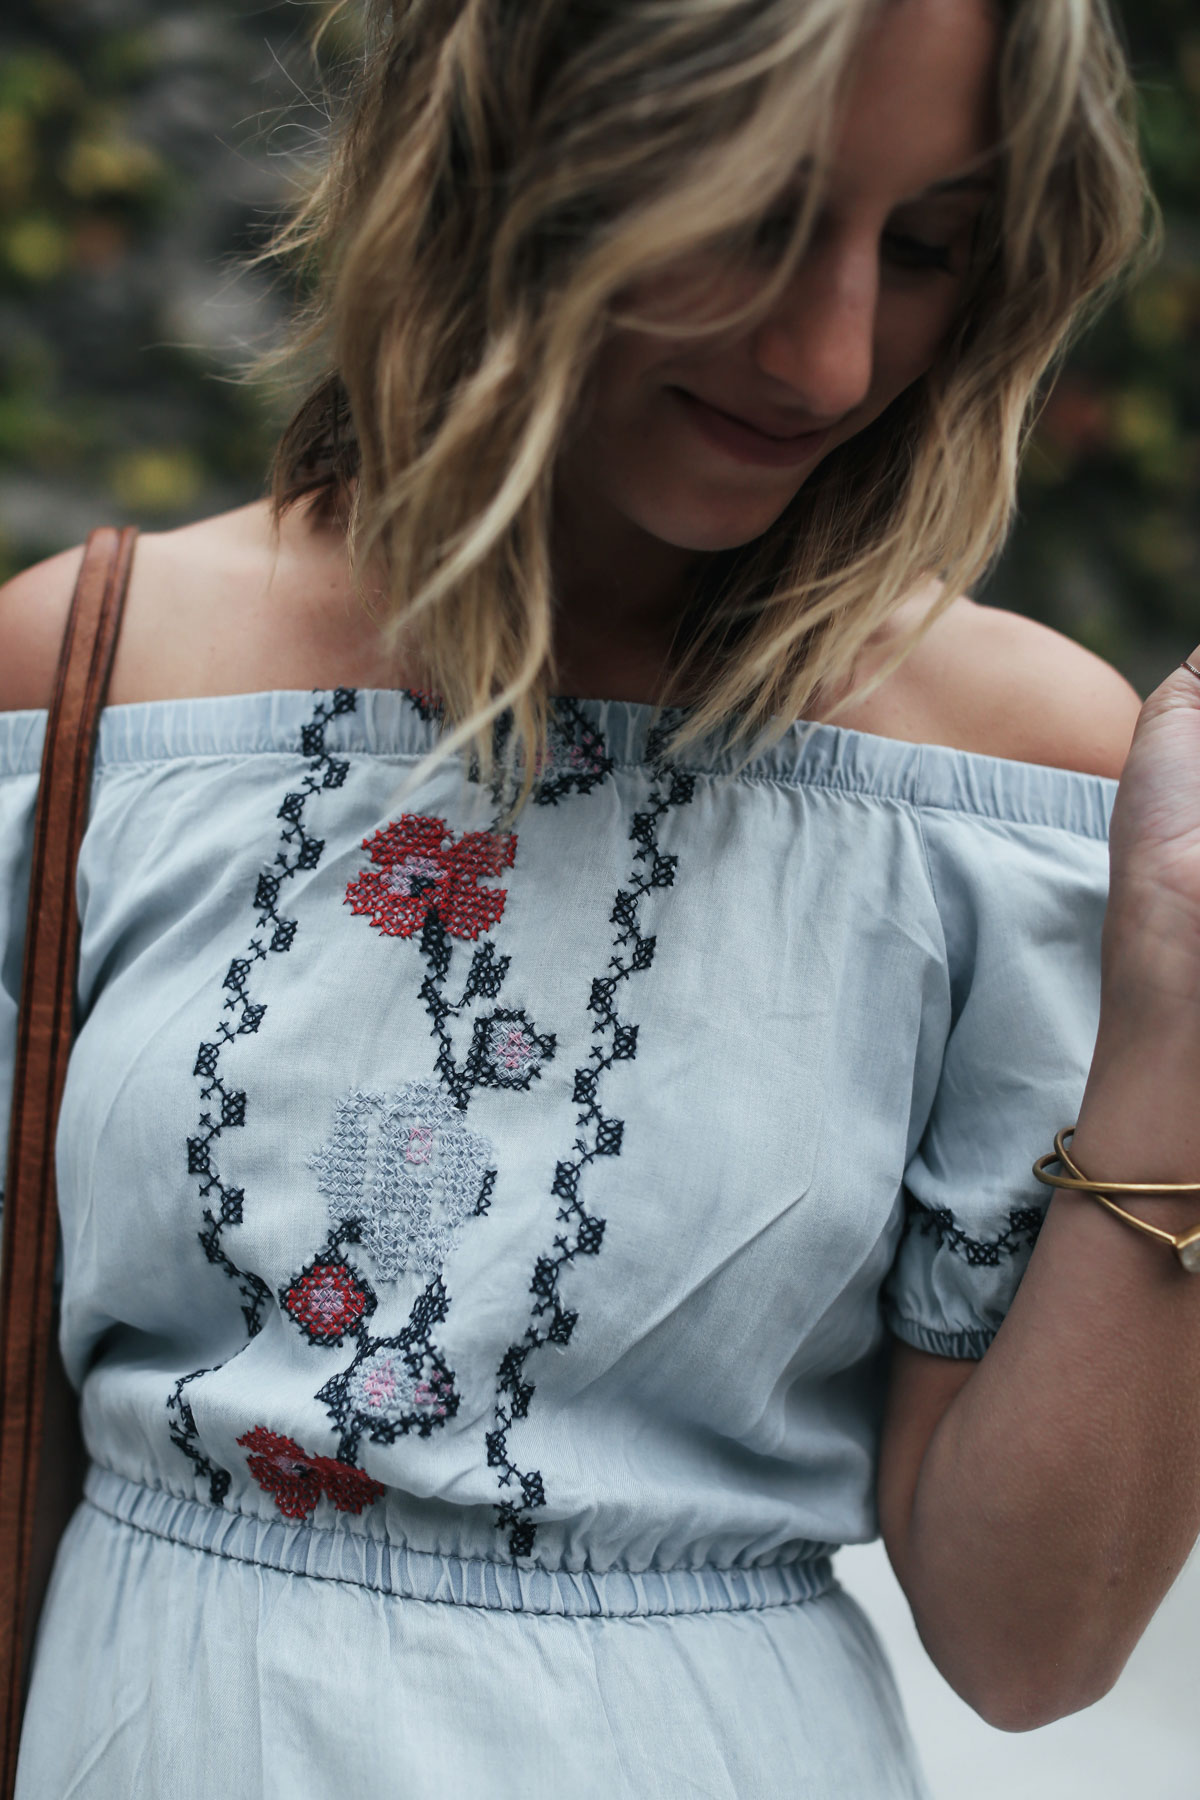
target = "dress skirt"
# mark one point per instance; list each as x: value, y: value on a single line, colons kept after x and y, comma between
x: 185, y: 1654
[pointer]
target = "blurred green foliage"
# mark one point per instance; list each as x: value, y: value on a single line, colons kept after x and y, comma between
x: 137, y: 170
x: 1108, y: 544
x: 147, y: 145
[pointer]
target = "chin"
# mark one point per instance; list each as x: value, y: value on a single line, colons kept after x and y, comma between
x: 703, y: 515
x: 709, y: 529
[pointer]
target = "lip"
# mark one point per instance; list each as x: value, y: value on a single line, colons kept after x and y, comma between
x: 745, y: 442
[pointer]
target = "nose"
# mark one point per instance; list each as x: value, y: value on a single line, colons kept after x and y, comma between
x: 819, y: 339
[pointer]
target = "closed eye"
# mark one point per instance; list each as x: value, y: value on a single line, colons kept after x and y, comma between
x: 774, y: 232
x: 916, y: 253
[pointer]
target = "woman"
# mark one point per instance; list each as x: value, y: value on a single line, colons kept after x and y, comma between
x: 522, y: 1208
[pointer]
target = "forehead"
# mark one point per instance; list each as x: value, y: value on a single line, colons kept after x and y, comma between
x: 920, y: 106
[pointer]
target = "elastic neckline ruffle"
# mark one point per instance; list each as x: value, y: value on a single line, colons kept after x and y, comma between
x: 389, y: 724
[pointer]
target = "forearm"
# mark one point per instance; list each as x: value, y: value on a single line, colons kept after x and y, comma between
x: 1059, y: 1494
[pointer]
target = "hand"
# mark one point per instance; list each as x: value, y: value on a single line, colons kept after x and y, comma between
x: 1152, y: 932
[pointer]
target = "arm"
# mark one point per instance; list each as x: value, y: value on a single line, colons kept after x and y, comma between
x: 1037, y: 1505
x: 33, y: 612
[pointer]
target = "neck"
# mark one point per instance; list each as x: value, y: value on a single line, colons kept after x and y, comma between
x: 619, y: 597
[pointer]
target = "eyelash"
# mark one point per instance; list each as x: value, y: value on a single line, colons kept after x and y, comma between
x: 909, y: 252
x: 915, y: 253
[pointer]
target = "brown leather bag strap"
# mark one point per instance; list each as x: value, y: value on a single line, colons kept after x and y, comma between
x: 44, y: 1031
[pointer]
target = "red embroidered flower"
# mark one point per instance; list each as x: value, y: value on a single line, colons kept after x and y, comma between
x: 326, y: 1302
x: 420, y: 869
x: 297, y: 1480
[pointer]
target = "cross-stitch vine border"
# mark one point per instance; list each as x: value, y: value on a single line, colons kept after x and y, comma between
x: 225, y: 1106
x: 1021, y: 1232
x: 598, y: 1134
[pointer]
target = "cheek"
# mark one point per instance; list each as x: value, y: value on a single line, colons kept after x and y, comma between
x: 910, y: 331
x: 692, y: 293
x: 623, y: 372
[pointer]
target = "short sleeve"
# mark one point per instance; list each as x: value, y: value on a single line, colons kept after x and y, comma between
x: 20, y: 756
x: 1022, y: 906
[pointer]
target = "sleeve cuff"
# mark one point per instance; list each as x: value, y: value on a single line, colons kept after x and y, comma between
x: 962, y: 1346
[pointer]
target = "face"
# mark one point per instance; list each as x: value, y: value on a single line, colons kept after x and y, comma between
x: 701, y: 443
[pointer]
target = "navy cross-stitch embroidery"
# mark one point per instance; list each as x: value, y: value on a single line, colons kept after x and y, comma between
x: 395, y: 1385
x: 506, y: 1050
x: 575, y: 759
x: 1021, y: 1233
x: 597, y: 1134
x: 224, y: 1106
x: 400, y: 1169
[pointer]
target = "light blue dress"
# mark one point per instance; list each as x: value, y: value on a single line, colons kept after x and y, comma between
x: 479, y: 1244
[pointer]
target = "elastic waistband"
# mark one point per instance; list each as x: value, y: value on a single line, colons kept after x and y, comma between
x: 348, y: 1555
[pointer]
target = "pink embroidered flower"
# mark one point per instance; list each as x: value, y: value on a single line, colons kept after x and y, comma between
x: 326, y: 1302
x: 512, y: 1048
x: 421, y: 869
x: 383, y: 1388
x: 297, y: 1480
x: 582, y: 757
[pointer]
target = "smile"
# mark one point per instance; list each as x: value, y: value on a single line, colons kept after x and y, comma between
x: 745, y: 443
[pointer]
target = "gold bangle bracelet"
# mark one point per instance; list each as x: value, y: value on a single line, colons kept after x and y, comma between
x: 1185, y: 1244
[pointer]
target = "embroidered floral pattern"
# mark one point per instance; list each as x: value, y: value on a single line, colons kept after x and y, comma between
x: 597, y: 1134
x: 395, y: 1385
x: 224, y: 1106
x: 382, y: 1386
x: 327, y: 1300
x: 296, y: 1481
x: 575, y: 760
x: 407, y: 1171
x: 506, y: 1050
x: 434, y: 890
x: 400, y: 1169
x: 420, y: 869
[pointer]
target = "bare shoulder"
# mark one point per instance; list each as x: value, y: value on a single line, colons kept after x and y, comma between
x: 225, y: 605
x: 33, y: 612
x: 998, y: 684
x: 172, y: 573
x: 1035, y: 695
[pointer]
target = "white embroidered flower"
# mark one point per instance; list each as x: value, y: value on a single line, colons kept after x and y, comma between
x: 407, y: 1170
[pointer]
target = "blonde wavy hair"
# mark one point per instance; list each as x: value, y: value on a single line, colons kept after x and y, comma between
x: 503, y: 176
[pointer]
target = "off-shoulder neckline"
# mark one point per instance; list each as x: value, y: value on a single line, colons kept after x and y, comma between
x: 394, y: 724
